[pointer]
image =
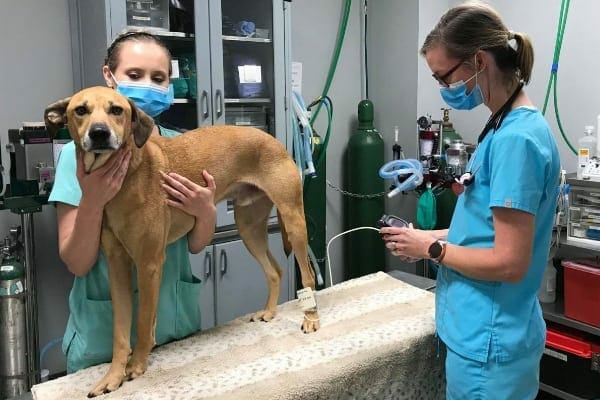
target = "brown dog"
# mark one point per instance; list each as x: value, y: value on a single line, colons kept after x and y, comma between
x: 248, y: 165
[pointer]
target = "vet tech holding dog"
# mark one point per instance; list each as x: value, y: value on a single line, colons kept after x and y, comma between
x: 137, y: 65
x: 492, y: 258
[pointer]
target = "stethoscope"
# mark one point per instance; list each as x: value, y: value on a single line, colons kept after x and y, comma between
x: 493, y: 123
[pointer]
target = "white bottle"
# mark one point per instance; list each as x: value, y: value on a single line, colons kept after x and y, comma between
x: 547, y: 292
x: 586, y: 149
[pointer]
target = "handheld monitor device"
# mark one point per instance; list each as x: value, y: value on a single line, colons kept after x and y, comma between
x: 391, y: 220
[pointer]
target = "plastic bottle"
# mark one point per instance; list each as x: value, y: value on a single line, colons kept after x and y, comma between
x: 547, y: 291
x: 586, y: 149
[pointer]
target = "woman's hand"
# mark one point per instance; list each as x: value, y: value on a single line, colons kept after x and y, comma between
x: 101, y: 185
x: 189, y: 197
x: 409, y: 244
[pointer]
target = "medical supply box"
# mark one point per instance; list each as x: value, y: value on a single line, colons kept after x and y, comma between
x: 571, y: 362
x: 583, y: 223
x: 582, y: 291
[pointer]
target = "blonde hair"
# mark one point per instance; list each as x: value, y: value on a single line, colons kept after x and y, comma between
x: 467, y: 28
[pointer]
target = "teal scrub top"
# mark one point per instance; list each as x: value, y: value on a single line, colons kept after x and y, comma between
x: 515, y: 167
x: 89, y: 334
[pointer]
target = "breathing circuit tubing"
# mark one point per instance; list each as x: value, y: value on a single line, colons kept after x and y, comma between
x: 323, y: 99
x: 400, y: 168
x: 552, y: 82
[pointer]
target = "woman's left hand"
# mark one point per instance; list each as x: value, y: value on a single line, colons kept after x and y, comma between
x: 408, y: 243
x: 191, y: 198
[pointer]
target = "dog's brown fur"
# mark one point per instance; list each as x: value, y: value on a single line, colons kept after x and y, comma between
x: 248, y: 165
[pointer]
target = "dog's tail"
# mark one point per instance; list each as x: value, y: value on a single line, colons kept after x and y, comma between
x: 287, y: 246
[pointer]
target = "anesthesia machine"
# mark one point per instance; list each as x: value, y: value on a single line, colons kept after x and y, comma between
x: 441, y: 160
x: 32, y: 155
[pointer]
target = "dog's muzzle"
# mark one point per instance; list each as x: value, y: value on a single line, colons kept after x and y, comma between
x: 100, y: 139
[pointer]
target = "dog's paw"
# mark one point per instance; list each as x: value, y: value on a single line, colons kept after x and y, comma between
x: 264, y: 315
x: 136, y: 367
x: 111, y: 382
x: 311, y: 322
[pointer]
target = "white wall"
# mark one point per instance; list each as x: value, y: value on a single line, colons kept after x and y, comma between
x: 36, y: 70
x: 315, y: 25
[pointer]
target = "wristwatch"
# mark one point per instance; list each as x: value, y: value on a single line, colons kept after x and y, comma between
x: 437, y: 251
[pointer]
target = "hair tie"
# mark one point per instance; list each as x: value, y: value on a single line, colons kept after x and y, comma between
x: 512, y: 41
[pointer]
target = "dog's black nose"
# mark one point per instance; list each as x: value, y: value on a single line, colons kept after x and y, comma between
x: 99, y: 133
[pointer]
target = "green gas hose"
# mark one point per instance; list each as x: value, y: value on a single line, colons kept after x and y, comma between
x: 552, y: 82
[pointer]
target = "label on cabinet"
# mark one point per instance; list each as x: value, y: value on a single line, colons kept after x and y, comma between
x: 555, y: 354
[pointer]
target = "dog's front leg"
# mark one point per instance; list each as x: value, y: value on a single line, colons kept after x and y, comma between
x: 149, y: 274
x: 120, y: 276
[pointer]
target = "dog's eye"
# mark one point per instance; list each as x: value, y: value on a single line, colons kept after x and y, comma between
x: 116, y: 110
x: 81, y: 110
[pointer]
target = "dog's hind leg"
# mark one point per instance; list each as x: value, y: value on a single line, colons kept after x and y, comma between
x: 120, y: 276
x: 251, y: 221
x: 294, y: 224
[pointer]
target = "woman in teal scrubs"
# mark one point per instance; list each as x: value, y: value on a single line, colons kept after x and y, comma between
x: 492, y: 258
x: 80, y: 198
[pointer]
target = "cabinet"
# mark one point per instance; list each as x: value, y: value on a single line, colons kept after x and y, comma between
x: 230, y: 67
x: 231, y: 57
x: 583, y: 225
x: 233, y: 283
x: 581, y: 241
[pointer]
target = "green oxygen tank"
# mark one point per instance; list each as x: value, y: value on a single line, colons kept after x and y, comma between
x: 314, y: 208
x: 446, y: 201
x: 365, y: 251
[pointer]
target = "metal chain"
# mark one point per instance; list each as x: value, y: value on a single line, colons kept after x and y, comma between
x: 362, y: 196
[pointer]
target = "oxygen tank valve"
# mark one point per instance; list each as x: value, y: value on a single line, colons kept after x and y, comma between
x: 6, y: 249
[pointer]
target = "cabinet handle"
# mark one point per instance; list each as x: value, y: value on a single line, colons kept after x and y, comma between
x: 219, y: 102
x: 223, y: 262
x: 207, y: 264
x: 204, y: 104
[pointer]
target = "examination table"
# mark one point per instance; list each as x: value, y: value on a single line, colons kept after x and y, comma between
x: 376, y: 342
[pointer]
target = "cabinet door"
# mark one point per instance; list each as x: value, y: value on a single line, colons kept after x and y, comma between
x: 248, y: 70
x: 203, y: 269
x: 241, y: 286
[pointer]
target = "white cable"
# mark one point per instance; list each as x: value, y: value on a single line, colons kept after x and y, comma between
x: 335, y: 237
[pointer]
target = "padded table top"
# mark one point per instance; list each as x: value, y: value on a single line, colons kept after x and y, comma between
x: 376, y: 341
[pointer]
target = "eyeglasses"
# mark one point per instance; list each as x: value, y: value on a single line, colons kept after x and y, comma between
x: 442, y: 79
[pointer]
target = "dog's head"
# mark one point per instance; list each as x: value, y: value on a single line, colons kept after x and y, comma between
x: 100, y: 121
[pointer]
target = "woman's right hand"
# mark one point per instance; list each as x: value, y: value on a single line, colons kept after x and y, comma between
x: 101, y: 185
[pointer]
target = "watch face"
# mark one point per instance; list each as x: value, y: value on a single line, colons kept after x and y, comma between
x: 435, y: 250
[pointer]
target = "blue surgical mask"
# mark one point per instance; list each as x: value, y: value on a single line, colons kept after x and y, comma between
x: 456, y: 95
x: 150, y: 98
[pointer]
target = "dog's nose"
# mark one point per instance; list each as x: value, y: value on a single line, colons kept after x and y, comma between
x: 99, y: 133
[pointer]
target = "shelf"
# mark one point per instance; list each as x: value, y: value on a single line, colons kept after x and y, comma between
x: 588, y: 244
x: 262, y: 100
x: 555, y: 312
x: 227, y: 38
x: 163, y: 33
x: 558, y: 393
x: 184, y: 101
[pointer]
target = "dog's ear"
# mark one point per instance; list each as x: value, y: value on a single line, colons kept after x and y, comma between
x: 141, y: 125
x: 55, y: 116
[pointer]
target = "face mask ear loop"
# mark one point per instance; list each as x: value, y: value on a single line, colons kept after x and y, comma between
x: 114, y: 79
